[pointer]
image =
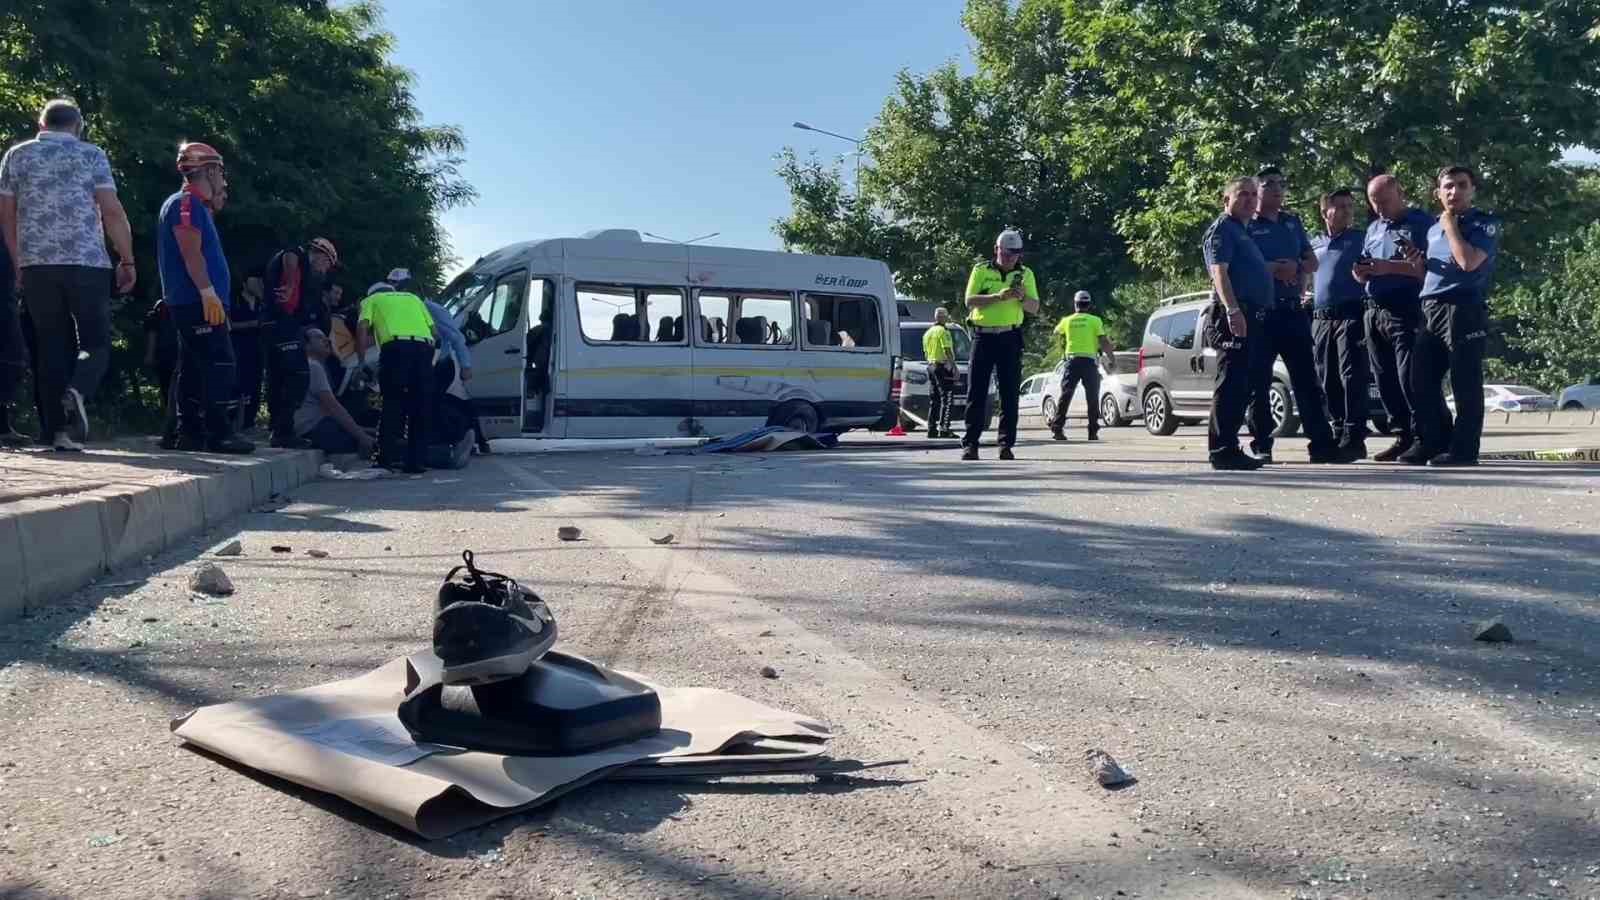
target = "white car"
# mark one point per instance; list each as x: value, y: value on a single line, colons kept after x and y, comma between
x: 1119, y: 399
x: 1510, y: 398
x: 1580, y: 396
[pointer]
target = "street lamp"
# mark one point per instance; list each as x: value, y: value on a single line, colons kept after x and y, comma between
x: 858, y: 142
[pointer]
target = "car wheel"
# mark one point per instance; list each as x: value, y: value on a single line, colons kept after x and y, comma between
x: 1158, y: 417
x: 796, y: 415
x: 1572, y: 404
x: 1381, y: 425
x: 1285, y: 423
x: 1048, y: 408
x: 1109, y: 413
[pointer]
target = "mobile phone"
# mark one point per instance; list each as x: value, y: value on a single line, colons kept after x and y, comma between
x: 1404, y: 243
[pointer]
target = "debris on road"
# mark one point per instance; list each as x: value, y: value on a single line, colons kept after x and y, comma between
x: 569, y: 533
x: 281, y: 548
x: 231, y: 548
x: 332, y: 472
x: 317, y: 554
x: 769, y: 672
x: 1493, y: 631
x: 210, y: 579
x: 664, y: 539
x: 1105, y: 769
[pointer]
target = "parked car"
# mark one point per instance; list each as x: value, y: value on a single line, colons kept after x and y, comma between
x: 1177, y: 373
x: 1119, y: 397
x: 915, y: 394
x: 1510, y: 398
x: 1580, y: 396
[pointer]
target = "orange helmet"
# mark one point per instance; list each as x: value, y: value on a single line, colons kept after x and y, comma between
x: 193, y: 155
x: 325, y: 247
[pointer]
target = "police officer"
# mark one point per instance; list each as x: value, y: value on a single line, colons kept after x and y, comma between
x: 1337, y: 327
x: 1455, y: 324
x: 1392, y: 283
x: 1283, y: 326
x: 195, y: 284
x: 294, y: 303
x: 1083, y: 337
x: 404, y: 332
x: 1241, y: 293
x: 998, y: 296
x: 939, y: 349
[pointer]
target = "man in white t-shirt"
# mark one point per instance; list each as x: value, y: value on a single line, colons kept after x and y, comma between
x: 320, y: 419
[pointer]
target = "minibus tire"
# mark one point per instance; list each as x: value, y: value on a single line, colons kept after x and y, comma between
x: 796, y: 415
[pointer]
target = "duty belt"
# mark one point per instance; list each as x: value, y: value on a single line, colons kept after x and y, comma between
x: 994, y: 329
x: 1342, y: 311
x: 406, y: 337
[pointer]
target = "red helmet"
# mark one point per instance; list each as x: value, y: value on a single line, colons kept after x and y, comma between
x: 325, y: 247
x: 193, y: 155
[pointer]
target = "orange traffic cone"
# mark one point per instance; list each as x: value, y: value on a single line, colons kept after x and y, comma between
x: 897, y: 431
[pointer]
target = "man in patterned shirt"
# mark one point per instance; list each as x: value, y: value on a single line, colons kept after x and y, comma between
x: 56, y: 197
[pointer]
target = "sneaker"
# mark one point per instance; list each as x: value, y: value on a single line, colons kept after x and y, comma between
x: 1235, y: 460
x: 1418, y: 455
x: 483, y: 449
x: 1354, y: 450
x: 1058, y: 435
x: 1393, y: 453
x: 1452, y: 461
x: 1005, y: 453
x: 231, y: 444
x: 77, y: 416
x: 969, y: 453
x: 1330, y: 456
x: 65, y: 444
x: 488, y: 628
x: 1264, y: 457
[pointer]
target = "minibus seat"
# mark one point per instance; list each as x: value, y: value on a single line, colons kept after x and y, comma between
x: 664, y: 329
x: 677, y: 328
x: 751, y: 330
x: 819, y: 332
x: 624, y: 327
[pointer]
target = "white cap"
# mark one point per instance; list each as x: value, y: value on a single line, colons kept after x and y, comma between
x: 379, y: 287
x: 1082, y: 297
x: 397, y: 275
x: 1010, y: 239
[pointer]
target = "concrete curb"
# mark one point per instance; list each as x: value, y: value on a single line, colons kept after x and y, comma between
x: 50, y: 547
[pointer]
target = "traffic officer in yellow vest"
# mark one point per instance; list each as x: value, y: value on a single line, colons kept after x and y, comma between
x: 939, y: 349
x: 403, y: 329
x: 1084, y: 337
x: 998, y: 295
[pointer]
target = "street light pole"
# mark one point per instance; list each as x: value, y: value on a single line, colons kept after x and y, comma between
x: 857, y: 141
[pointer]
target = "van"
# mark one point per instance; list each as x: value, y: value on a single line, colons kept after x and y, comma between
x: 1178, y: 372
x: 610, y: 336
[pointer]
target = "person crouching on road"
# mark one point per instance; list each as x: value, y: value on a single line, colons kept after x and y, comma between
x: 403, y: 329
x: 998, y: 295
x: 195, y: 282
x: 322, y: 421
x: 1338, y: 331
x: 1082, y: 336
x: 939, y: 349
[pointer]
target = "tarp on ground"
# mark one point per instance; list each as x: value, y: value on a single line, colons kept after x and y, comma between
x: 345, y: 739
x: 766, y: 440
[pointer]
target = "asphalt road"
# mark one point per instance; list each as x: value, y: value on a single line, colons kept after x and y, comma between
x: 1283, y: 660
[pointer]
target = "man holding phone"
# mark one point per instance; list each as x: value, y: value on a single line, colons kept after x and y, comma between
x: 1391, y: 272
x: 998, y: 295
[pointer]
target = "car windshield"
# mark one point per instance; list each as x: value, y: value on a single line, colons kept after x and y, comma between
x: 911, y: 342
x: 465, y: 291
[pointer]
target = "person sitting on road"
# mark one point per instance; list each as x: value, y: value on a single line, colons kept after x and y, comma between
x: 320, y: 419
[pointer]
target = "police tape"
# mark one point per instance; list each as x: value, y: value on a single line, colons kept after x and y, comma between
x: 1574, y: 454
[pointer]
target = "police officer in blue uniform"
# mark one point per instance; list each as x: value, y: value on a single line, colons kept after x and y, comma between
x: 1283, y: 326
x: 1462, y: 247
x: 1337, y: 328
x: 1241, y: 292
x: 1394, y: 312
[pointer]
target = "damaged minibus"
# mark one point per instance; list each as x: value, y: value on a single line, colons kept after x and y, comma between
x: 612, y: 336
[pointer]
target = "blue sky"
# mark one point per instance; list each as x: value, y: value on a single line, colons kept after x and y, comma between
x: 660, y: 116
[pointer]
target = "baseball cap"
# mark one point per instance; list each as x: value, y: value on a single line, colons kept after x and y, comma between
x: 398, y: 276
x: 1010, y: 239
x: 1082, y: 298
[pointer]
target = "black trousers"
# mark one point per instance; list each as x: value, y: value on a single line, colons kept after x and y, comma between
x: 405, y: 378
x: 206, y: 394
x: 1391, y: 340
x: 13, y: 350
x: 942, y: 379
x: 1451, y: 342
x: 288, y: 377
x: 1079, y: 369
x: 1344, y: 371
x: 995, y: 357
x: 1236, y: 359
x: 247, y: 358
x: 1285, y: 332
x: 71, y: 311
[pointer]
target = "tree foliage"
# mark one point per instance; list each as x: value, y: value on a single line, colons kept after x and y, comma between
x: 1554, y: 323
x: 1105, y: 129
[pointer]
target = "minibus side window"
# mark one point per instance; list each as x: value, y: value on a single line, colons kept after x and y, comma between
x: 741, y: 319
x: 842, y: 321
x: 628, y: 314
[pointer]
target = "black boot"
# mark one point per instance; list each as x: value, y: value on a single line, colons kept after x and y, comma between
x: 1401, y: 445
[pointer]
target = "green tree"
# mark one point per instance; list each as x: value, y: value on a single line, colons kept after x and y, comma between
x: 1554, y: 324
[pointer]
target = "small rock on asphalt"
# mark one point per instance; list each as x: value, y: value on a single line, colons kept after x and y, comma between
x: 281, y: 548
x: 1494, y: 631
x: 769, y: 672
x: 231, y: 548
x: 1105, y: 769
x: 569, y: 533
x: 317, y: 554
x: 664, y: 539
x: 210, y: 579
